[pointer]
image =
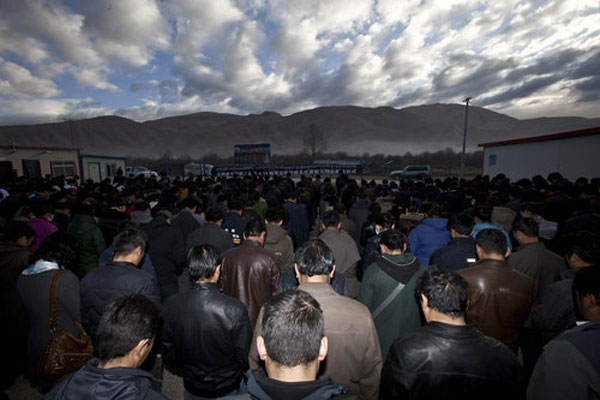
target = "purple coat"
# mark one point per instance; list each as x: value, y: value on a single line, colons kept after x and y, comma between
x: 43, y: 228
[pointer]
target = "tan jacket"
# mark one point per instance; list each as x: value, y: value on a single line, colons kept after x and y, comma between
x: 499, y: 299
x: 354, y: 357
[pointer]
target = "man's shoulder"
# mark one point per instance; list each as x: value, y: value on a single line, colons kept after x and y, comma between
x: 333, y: 302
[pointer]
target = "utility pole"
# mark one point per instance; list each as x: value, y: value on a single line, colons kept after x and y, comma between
x: 464, y: 149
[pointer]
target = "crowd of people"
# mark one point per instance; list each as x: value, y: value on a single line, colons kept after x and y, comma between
x: 271, y: 287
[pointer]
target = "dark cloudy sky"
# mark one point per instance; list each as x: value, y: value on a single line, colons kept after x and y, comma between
x: 146, y: 59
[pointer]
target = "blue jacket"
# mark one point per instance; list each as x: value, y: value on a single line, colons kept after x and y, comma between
x: 426, y: 238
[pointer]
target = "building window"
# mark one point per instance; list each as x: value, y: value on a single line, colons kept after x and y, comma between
x: 111, y: 170
x: 63, y: 168
x: 492, y: 160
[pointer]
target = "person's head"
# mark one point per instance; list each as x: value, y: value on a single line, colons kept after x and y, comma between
x: 314, y: 259
x: 255, y: 230
x: 204, y: 263
x: 482, y: 214
x: 526, y: 230
x: 491, y: 244
x: 433, y: 210
x: 293, y: 339
x: 582, y: 249
x: 129, y: 245
x: 331, y: 220
x: 126, y: 331
x: 214, y: 215
x: 190, y: 203
x: 384, y: 222
x: 274, y: 215
x: 442, y: 292
x: 393, y: 242
x: 60, y: 248
x: 586, y: 290
x: 460, y: 225
x: 236, y: 205
x: 20, y: 233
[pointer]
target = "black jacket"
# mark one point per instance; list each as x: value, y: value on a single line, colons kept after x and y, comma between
x: 91, y: 382
x: 185, y: 222
x: 208, y: 335
x: 458, y: 254
x: 167, y: 253
x: 210, y: 233
x: 443, y: 361
x: 104, y: 284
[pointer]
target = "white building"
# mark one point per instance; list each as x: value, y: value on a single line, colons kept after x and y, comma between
x: 573, y: 154
x: 37, y: 162
x: 99, y: 167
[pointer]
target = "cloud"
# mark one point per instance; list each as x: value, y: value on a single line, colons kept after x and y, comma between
x: 17, y: 81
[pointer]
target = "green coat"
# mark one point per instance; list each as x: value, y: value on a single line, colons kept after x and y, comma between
x: 90, y: 243
x: 403, y: 314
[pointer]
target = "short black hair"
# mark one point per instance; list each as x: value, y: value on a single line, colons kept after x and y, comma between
x: 236, y: 204
x: 292, y: 328
x: 393, y: 239
x: 315, y: 258
x: 483, y: 212
x: 60, y: 248
x: 527, y: 226
x: 189, y: 202
x: 492, y: 241
x: 214, y: 214
x: 461, y: 223
x: 203, y: 261
x: 585, y: 244
x: 587, y: 281
x: 446, y: 292
x: 274, y: 214
x: 331, y: 218
x: 385, y: 220
x: 254, y: 227
x: 17, y: 230
x: 126, y: 242
x: 125, y: 322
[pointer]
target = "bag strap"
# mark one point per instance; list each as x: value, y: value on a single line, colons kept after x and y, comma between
x: 52, y: 299
x: 388, y: 299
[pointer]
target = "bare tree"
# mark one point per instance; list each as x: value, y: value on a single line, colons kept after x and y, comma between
x: 314, y: 140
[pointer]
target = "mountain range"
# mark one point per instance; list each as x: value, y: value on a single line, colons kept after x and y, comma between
x: 349, y: 129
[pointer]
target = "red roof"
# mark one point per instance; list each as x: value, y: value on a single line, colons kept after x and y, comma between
x: 554, y: 136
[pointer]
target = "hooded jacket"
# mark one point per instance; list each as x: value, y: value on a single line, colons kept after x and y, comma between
x: 91, y: 382
x: 279, y: 242
x: 426, y: 238
x: 90, y: 243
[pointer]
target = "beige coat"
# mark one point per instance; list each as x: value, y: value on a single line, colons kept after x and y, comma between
x: 354, y: 357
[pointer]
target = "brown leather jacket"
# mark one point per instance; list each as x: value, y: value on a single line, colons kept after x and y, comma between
x: 499, y: 299
x: 250, y: 274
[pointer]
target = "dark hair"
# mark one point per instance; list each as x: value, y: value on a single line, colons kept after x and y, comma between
x: 385, y: 220
x: 315, y: 258
x: 254, y: 227
x: 446, y: 292
x: 585, y: 244
x: 125, y: 322
x: 18, y: 229
x: 214, y: 214
x: 461, y: 223
x: 331, y: 218
x: 189, y: 202
x: 274, y: 214
x: 526, y: 226
x: 434, y: 209
x: 393, y: 239
x: 292, y: 328
x: 235, y: 204
x: 587, y: 281
x: 126, y: 242
x: 60, y: 248
x: 44, y: 208
x: 141, y: 205
x: 203, y: 261
x: 483, y: 212
x: 492, y: 241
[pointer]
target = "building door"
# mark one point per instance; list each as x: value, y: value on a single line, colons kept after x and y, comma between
x: 31, y: 169
x: 94, y: 172
x: 5, y: 170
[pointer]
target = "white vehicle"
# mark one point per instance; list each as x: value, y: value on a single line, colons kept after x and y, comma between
x: 140, y: 171
x: 412, y: 172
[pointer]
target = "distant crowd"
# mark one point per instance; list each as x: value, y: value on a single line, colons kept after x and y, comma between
x: 271, y: 287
